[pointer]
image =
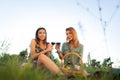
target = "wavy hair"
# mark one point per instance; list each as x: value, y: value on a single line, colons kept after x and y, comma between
x: 75, y: 40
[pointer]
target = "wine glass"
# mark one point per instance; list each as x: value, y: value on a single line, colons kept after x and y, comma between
x: 58, y: 43
x: 57, y: 46
x: 53, y: 43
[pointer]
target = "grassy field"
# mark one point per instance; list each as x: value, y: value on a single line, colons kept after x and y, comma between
x: 11, y: 69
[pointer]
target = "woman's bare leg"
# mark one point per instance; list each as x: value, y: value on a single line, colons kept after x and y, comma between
x: 48, y: 63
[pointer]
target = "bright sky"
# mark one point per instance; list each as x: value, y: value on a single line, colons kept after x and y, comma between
x: 19, y: 20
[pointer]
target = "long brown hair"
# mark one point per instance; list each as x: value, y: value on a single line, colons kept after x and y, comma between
x: 36, y: 35
x: 75, y: 38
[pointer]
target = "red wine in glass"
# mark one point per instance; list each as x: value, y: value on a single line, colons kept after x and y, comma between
x: 58, y: 43
x: 53, y: 43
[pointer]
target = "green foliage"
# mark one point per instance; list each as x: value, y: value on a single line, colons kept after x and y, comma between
x: 23, y: 53
x: 11, y: 69
x: 107, y: 62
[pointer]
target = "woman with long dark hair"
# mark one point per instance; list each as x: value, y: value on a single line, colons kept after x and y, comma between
x: 40, y: 50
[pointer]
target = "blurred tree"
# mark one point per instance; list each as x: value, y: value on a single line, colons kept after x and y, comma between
x: 107, y: 63
x: 23, y: 55
x: 5, y: 58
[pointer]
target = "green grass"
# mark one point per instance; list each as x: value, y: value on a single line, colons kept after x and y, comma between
x: 11, y: 69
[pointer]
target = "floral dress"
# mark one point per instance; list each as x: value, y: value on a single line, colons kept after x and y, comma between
x: 38, y: 49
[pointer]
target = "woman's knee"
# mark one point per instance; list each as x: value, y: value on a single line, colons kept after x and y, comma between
x: 41, y: 57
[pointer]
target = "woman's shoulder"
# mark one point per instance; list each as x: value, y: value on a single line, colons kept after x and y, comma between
x: 33, y: 41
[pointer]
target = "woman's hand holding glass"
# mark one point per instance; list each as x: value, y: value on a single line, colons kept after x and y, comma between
x: 49, y: 47
x: 57, y: 47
